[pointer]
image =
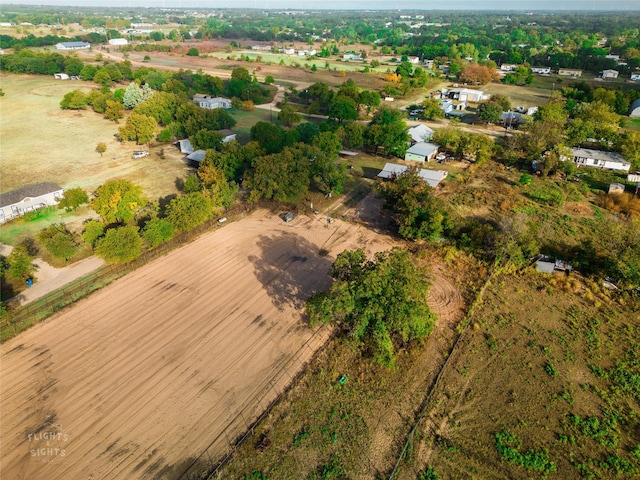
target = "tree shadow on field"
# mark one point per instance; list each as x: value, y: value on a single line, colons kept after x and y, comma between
x: 290, y: 268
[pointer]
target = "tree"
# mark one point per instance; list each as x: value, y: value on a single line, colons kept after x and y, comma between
x: 288, y: 115
x: 20, y: 263
x: 114, y: 110
x: 93, y: 230
x: 101, y: 147
x: 631, y: 148
x: 74, y: 100
x: 156, y: 231
x: 188, y: 211
x: 215, y: 186
x: 269, y: 79
x: 102, y: 77
x: 73, y: 198
x: 380, y: 303
x: 58, y: 241
x: 522, y: 75
x: 432, y: 109
x: 120, y: 245
x: 193, y: 52
x: 388, y: 131
x: 343, y: 109
x: 477, y: 74
x: 206, y: 139
x: 418, y: 211
x: 489, y: 112
x: 118, y: 201
x: 139, y: 128
x: 269, y: 136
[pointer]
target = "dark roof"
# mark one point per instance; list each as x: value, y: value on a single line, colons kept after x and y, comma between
x: 36, y: 190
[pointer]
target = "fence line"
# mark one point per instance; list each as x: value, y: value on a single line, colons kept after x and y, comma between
x: 237, y: 431
x: 22, y: 317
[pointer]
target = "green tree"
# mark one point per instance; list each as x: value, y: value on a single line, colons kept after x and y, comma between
x: 73, y: 198
x: 139, y: 128
x: 388, y: 131
x: 343, y: 109
x: 93, y: 230
x: 88, y: 72
x: 288, y: 115
x: 117, y: 201
x: 102, y: 77
x: 380, y: 303
x: 269, y: 79
x: 432, y: 109
x: 20, y: 263
x: 489, y: 112
x: 188, y: 211
x: 74, y: 100
x: 631, y: 148
x: 193, y: 52
x: 156, y: 231
x: 58, y: 241
x: 101, y: 147
x: 215, y: 186
x: 206, y: 139
x: 120, y: 245
x: 133, y: 95
x: 418, y: 212
x: 269, y: 136
x: 114, y: 110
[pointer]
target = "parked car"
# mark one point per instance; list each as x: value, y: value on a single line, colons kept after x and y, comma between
x: 140, y: 154
x: 287, y: 217
x: 222, y: 219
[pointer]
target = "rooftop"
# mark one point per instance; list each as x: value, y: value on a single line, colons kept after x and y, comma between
x: 30, y: 191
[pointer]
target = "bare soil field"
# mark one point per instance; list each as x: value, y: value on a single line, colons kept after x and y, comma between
x: 42, y: 143
x: 137, y: 379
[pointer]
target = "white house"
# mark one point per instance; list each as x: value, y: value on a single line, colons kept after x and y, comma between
x: 33, y: 197
x: 432, y: 177
x: 118, y: 41
x: 227, y: 135
x: 422, y: 152
x: 428, y: 64
x: 467, y: 95
x: 635, y: 76
x: 541, y: 70
x: 585, y: 157
x: 420, y: 133
x: 304, y: 53
x: 352, y: 56
x: 73, y: 46
x: 613, y: 57
x: 211, y: 103
x: 61, y: 76
x: 508, y: 67
x: 609, y: 73
x: 289, y: 51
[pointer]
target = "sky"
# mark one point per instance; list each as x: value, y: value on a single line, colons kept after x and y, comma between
x: 588, y: 5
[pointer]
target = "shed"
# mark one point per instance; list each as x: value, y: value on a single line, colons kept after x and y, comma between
x: 432, y: 177
x: 422, y: 152
x: 61, y: 76
x: 185, y: 146
x: 420, y: 133
x: 635, y: 109
x: 33, y: 197
x: 197, y: 156
x: 118, y: 41
x: 227, y: 135
x: 616, y: 188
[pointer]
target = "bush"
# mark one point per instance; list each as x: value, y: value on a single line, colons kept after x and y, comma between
x: 193, y: 52
x: 157, y: 231
x: 93, y: 230
x: 73, y: 198
x: 120, y: 245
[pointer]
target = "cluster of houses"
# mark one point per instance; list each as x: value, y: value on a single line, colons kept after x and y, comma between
x: 286, y: 50
x: 569, y: 72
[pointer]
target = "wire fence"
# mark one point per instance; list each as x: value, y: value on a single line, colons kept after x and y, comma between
x: 224, y: 445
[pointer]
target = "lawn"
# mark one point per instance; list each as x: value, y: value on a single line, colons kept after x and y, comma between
x: 42, y: 143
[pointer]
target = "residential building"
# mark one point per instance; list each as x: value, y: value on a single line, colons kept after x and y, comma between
x: 635, y: 76
x: 541, y: 70
x: 73, y: 46
x: 352, y: 57
x: 118, y: 41
x: 432, y: 177
x: 508, y: 67
x: 211, y: 103
x: 16, y: 203
x: 420, y: 133
x: 609, y: 73
x: 585, y: 157
x: 467, y: 95
x: 569, y: 72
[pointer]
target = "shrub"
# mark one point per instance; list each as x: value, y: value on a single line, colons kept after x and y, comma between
x: 120, y: 245
x: 73, y: 198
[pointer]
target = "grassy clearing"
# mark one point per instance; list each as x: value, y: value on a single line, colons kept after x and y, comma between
x: 42, y: 143
x: 560, y: 404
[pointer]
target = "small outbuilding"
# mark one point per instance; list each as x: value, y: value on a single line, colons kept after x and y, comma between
x: 635, y: 109
x: 420, y: 133
x: 422, y: 152
x: 118, y: 41
x: 616, y: 188
x: 61, y: 76
x: 432, y: 177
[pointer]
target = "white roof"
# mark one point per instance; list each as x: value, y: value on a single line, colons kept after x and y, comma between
x: 419, y: 133
x: 467, y: 91
x: 185, y: 146
x: 423, y: 148
x: 432, y: 177
x: 599, y: 155
x: 197, y: 156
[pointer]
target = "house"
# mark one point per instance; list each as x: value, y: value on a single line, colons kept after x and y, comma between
x: 508, y: 67
x: 428, y: 64
x: 635, y: 76
x: 432, y: 177
x: 609, y: 73
x: 635, y: 109
x: 633, y: 177
x: 420, y: 133
x: 61, y: 76
x: 422, y: 152
x: 447, y: 106
x: 227, y: 135
x: 613, y: 57
x: 541, y: 70
x: 585, y: 157
x: 33, y: 197
x: 414, y: 60
x: 289, y: 51
x: 467, y: 95
x: 73, y: 46
x: 569, y: 72
x: 546, y: 264
x: 304, y: 53
x: 352, y: 56
x: 118, y: 41
x: 211, y: 103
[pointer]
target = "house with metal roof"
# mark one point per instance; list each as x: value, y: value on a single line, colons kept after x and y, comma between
x: 635, y: 108
x: 420, y: 133
x: 585, y: 157
x: 73, y: 45
x: 211, y: 103
x: 432, y: 177
x: 422, y: 152
x: 16, y: 203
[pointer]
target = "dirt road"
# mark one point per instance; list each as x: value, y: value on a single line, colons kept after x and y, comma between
x: 137, y: 379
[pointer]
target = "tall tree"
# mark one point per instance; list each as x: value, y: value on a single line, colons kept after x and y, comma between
x: 120, y: 245
x: 388, y: 131
x: 381, y: 304
x: 117, y: 201
x: 139, y: 128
